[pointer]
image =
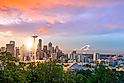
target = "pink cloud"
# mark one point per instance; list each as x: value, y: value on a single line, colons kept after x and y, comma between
x: 44, y: 30
x: 114, y: 25
x: 26, y: 5
x: 26, y: 9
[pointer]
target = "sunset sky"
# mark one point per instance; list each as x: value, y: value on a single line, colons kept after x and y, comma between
x: 67, y: 23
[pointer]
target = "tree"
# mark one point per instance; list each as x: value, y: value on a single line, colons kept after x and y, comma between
x: 47, y: 72
x: 6, y: 57
x: 86, y: 73
x: 103, y: 75
x: 10, y: 72
x: 13, y: 74
x: 50, y: 72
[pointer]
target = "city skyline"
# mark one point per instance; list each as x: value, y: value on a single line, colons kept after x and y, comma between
x: 69, y: 24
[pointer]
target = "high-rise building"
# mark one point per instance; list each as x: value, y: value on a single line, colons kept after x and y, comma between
x: 39, y: 46
x: 40, y: 55
x: 95, y: 56
x: 49, y: 44
x: 10, y: 48
x: 73, y: 55
x: 56, y: 49
x: 39, y: 49
x: 53, y: 50
x: 45, y: 48
x: 12, y: 42
x: 17, y: 52
x: 50, y: 47
x: 22, y: 52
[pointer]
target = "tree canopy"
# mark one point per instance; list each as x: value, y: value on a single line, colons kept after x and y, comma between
x: 51, y: 72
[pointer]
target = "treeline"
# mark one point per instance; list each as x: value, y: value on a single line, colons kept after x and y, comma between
x: 50, y: 72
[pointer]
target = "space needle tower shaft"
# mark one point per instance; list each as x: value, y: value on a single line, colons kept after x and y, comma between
x: 34, y: 45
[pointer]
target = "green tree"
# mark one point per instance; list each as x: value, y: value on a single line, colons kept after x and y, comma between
x: 10, y: 72
x: 47, y: 72
x: 7, y: 57
x: 103, y: 75
x: 120, y: 76
x: 13, y: 74
x: 86, y: 73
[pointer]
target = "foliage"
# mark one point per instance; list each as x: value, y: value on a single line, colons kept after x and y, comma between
x: 7, y: 57
x: 50, y: 72
x: 103, y: 75
x: 45, y: 73
x: 86, y: 73
x: 10, y: 72
x: 13, y: 74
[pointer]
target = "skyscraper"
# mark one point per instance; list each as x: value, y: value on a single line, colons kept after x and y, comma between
x: 40, y: 55
x: 56, y: 49
x: 95, y: 56
x: 73, y: 55
x: 50, y: 47
x: 10, y: 48
x: 49, y: 44
x: 39, y: 49
x: 22, y: 52
x: 53, y: 50
x: 12, y: 42
x: 17, y: 52
x: 45, y: 48
x: 39, y: 46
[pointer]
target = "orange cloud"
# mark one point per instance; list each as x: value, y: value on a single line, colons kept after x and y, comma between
x: 28, y: 6
x: 33, y: 10
x: 25, y: 4
x: 44, y: 30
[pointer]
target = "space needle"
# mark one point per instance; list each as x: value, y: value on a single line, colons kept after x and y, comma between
x: 34, y: 36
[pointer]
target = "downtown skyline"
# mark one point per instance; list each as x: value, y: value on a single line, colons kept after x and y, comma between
x: 70, y: 24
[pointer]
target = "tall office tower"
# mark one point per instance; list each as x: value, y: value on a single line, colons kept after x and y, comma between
x: 17, y: 52
x: 81, y: 57
x: 39, y: 46
x: 53, y: 50
x: 57, y: 49
x: 50, y: 47
x: 73, y: 55
x: 40, y: 55
x: 22, y: 52
x: 45, y: 48
x: 10, y: 48
x: 12, y: 42
x: 95, y: 56
x: 53, y: 54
